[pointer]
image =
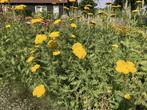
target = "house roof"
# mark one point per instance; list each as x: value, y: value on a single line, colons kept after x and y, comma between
x: 39, y: 1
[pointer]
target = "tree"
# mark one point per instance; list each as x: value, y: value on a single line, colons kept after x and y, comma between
x: 83, y: 3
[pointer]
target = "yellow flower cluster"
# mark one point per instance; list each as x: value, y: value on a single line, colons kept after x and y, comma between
x: 39, y: 91
x: 7, y: 26
x: 125, y: 67
x: 36, y: 20
x: 35, y: 68
x: 72, y: 1
x: 79, y: 50
x: 4, y: 1
x: 30, y: 59
x: 127, y: 96
x: 51, y: 44
x: 56, y: 53
x: 54, y: 35
x: 58, y: 21
x: 40, y: 38
x: 20, y: 7
x: 73, y: 25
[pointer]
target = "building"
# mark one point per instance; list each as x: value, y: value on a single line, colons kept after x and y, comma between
x: 54, y: 6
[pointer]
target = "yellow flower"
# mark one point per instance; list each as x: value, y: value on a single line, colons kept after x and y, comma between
x: 93, y: 22
x: 73, y: 25
x: 90, y: 14
x: 125, y: 67
x: 121, y: 67
x: 8, y: 26
x: 138, y: 1
x: 79, y: 50
x: 86, y: 8
x: 127, y: 96
x: 4, y: 1
x: 40, y: 38
x: 116, y: 6
x: 72, y: 0
x: 131, y: 67
x: 66, y: 8
x: 51, y: 44
x: 54, y: 35
x: 88, y: 5
x: 58, y: 21
x: 36, y: 20
x: 39, y: 91
x: 20, y: 7
x: 108, y: 3
x: 115, y: 46
x: 73, y: 36
x: 30, y: 59
x: 135, y: 11
x: 35, y: 68
x: 56, y: 53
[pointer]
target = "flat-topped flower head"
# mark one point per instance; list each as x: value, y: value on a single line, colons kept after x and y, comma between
x: 79, y: 50
x: 40, y: 38
x: 115, y: 46
x: 73, y: 25
x: 109, y: 3
x: 56, y: 53
x: 51, y: 44
x: 58, y: 21
x: 86, y: 8
x: 35, y: 68
x: 138, y: 1
x: 127, y: 96
x: 20, y: 7
x: 135, y: 11
x: 30, y: 59
x: 72, y: 1
x: 7, y: 26
x: 36, y: 20
x: 4, y: 1
x: 39, y: 91
x: 125, y: 67
x: 54, y: 35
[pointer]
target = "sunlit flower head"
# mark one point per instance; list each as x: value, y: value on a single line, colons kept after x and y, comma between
x: 79, y: 50
x: 115, y: 46
x: 58, y: 21
x: 73, y: 25
x: 109, y: 3
x: 125, y: 67
x: 51, y: 44
x: 139, y: 1
x: 35, y: 68
x: 54, y: 35
x: 56, y: 53
x: 127, y: 96
x: 40, y: 38
x: 39, y: 91
x: 4, y: 1
x: 86, y: 8
x: 30, y: 59
x: 36, y: 20
x: 20, y: 7
x: 72, y: 1
x: 135, y: 11
x: 7, y: 26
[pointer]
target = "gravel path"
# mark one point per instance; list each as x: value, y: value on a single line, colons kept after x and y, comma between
x: 15, y: 97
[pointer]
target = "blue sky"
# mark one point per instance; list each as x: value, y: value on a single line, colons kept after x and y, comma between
x: 101, y: 3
